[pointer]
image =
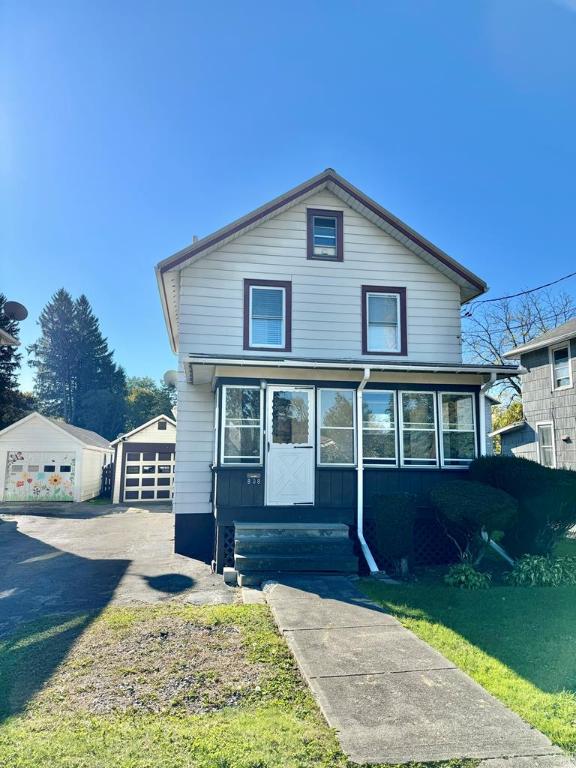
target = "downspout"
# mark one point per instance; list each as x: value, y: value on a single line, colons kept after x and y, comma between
x: 360, y: 475
x: 215, y: 465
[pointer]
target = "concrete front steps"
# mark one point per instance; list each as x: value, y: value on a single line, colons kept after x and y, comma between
x: 264, y: 551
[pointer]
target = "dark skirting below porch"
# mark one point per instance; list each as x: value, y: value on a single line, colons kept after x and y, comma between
x: 194, y: 536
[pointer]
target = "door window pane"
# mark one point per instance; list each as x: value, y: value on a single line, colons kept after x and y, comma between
x: 458, y: 430
x: 132, y: 457
x: 290, y: 417
x: 267, y: 311
x: 379, y: 427
x: 336, y: 409
x: 383, y: 322
x: 242, y: 425
x: 418, y: 429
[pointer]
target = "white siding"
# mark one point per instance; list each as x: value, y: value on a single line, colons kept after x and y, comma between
x: 90, y: 472
x: 326, y: 296
x: 152, y: 434
x: 194, y: 447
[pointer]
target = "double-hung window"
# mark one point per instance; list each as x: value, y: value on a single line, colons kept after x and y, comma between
x: 458, y: 437
x: 383, y: 321
x: 325, y: 235
x: 336, y: 426
x: 379, y: 428
x: 546, y: 444
x: 241, y: 425
x: 267, y: 315
x: 561, y: 372
x: 418, y: 429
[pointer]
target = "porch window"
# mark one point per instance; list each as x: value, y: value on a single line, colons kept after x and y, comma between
x: 561, y: 372
x: 383, y: 321
x: 267, y: 315
x: 241, y: 425
x: 458, y: 429
x: 336, y: 426
x: 418, y: 429
x: 546, y: 445
x: 379, y: 428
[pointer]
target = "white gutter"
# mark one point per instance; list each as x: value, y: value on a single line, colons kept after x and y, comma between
x: 265, y: 362
x: 360, y: 474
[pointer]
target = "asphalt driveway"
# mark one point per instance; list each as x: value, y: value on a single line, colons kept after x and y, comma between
x: 83, y: 557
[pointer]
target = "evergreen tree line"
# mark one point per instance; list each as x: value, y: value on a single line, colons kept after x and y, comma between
x: 75, y: 376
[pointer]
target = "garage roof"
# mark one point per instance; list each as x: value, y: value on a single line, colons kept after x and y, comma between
x: 85, y: 436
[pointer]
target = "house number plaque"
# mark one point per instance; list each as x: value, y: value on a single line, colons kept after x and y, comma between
x: 253, y: 478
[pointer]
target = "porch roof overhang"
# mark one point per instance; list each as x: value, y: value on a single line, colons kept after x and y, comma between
x: 201, y: 362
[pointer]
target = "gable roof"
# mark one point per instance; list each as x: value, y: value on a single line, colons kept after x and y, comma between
x: 84, y: 436
x: 143, y: 426
x: 508, y: 428
x: 167, y: 270
x: 556, y: 335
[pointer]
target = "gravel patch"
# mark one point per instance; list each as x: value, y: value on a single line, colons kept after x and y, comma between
x: 164, y: 663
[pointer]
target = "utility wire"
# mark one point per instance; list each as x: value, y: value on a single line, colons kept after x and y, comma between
x: 474, y: 304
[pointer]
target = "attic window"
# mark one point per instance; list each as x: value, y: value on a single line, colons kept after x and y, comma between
x: 162, y: 425
x: 325, y: 234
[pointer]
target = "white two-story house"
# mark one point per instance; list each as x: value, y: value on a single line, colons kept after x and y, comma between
x: 320, y: 363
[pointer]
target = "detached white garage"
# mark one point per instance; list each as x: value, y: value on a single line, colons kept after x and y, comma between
x: 144, y: 462
x: 43, y: 459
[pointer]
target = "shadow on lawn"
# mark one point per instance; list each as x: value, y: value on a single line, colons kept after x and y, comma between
x: 48, y: 597
x: 530, y: 630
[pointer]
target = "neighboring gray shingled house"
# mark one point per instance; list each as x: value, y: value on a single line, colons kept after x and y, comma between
x: 548, y: 432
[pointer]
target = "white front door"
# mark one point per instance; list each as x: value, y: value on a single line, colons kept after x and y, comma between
x: 290, y: 460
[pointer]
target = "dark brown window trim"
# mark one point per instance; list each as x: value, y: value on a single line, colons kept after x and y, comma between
x: 287, y: 285
x: 403, y: 327
x: 339, y: 216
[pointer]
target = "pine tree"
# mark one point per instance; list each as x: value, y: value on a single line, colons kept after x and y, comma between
x: 14, y: 405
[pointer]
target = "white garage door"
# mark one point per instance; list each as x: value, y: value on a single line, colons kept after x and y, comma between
x: 39, y: 476
x: 148, y: 475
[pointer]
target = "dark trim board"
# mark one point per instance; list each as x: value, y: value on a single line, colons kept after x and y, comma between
x: 194, y: 536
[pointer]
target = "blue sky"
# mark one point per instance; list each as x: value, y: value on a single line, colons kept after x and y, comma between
x: 129, y: 127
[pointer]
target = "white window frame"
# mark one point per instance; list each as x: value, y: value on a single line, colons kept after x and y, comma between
x: 259, y: 345
x: 555, y: 348
x: 401, y: 394
x: 374, y: 462
x: 465, y: 462
x: 247, y: 464
x: 319, y: 391
x: 396, y: 297
x: 551, y: 425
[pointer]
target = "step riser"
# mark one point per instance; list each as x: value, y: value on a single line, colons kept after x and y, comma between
x: 249, y: 564
x: 286, y: 533
x: 294, y: 546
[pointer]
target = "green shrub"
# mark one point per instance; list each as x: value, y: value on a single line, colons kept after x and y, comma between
x: 540, y: 571
x: 394, y: 515
x: 465, y: 576
x: 547, y: 500
x: 467, y: 508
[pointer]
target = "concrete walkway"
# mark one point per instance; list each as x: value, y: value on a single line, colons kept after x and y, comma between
x: 389, y: 695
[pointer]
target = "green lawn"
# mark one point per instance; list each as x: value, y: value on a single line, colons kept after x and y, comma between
x: 159, y: 687
x: 517, y: 642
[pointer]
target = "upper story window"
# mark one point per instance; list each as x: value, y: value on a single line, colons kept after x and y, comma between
x: 325, y: 234
x: 267, y: 315
x: 561, y: 372
x: 383, y: 320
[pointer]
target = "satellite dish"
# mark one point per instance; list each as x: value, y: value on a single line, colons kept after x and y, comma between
x: 170, y: 378
x: 15, y: 311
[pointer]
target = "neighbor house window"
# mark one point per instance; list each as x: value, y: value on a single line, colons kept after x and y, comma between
x: 336, y: 426
x: 383, y: 320
x: 161, y: 425
x: 418, y: 429
x: 325, y: 235
x: 561, y: 372
x: 379, y: 428
x: 241, y: 425
x: 458, y: 432
x: 267, y: 315
x: 546, y: 445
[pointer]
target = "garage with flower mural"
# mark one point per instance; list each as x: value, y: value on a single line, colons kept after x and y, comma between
x: 46, y: 460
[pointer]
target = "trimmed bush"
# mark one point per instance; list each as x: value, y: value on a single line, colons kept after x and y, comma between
x: 467, y: 509
x: 540, y: 571
x: 547, y: 500
x: 465, y: 576
x: 394, y: 515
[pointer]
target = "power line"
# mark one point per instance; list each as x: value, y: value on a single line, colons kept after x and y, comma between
x: 475, y: 304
